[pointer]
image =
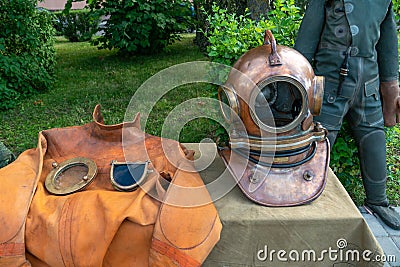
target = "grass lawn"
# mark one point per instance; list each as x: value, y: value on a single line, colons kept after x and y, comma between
x: 87, y: 76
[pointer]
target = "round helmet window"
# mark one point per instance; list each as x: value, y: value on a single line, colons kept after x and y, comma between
x: 279, y: 103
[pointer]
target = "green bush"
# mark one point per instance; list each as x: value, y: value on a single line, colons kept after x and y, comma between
x: 396, y: 9
x: 76, y: 25
x: 27, y: 50
x: 141, y: 26
x: 284, y: 21
x: 393, y: 159
x: 230, y: 35
x: 253, y: 9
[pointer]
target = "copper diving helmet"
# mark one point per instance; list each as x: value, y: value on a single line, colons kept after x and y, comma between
x: 273, y: 92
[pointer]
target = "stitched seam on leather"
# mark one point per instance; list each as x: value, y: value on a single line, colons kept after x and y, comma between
x: 194, y: 246
x: 12, y: 249
x: 64, y: 232
x: 173, y: 253
x: 61, y: 230
x: 160, y: 215
x: 72, y: 234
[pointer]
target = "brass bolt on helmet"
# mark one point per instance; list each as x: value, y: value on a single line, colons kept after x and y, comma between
x: 287, y: 153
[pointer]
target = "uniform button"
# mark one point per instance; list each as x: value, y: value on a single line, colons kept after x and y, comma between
x: 354, y: 29
x: 348, y: 7
x: 354, y: 51
x: 340, y: 31
x: 331, y: 99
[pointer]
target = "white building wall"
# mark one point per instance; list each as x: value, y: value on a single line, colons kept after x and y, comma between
x: 59, y: 4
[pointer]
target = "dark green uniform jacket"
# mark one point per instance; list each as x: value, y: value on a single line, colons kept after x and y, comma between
x: 372, y: 35
x: 363, y: 34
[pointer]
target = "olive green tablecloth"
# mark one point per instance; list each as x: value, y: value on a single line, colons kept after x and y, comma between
x: 328, y: 232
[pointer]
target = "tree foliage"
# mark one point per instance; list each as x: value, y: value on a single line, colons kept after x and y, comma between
x: 26, y: 50
x: 141, y: 26
x: 230, y: 35
x: 76, y: 25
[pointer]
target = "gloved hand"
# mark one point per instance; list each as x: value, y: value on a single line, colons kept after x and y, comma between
x: 390, y: 102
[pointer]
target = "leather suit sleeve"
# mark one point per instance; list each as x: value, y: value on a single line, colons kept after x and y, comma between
x: 311, y: 28
x: 18, y: 183
x: 387, y: 49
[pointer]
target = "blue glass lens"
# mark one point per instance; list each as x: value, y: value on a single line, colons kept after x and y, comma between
x: 128, y: 174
